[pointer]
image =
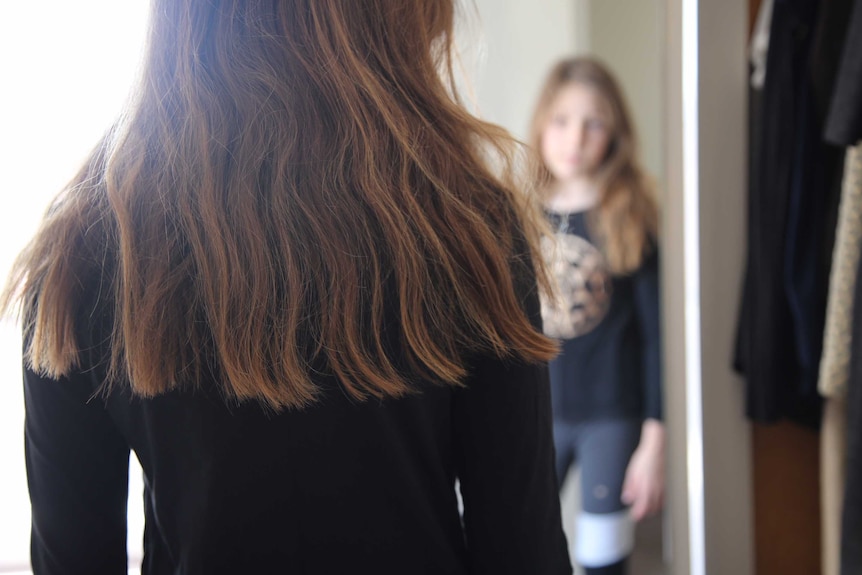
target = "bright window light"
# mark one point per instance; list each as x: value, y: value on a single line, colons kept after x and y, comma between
x: 66, y: 69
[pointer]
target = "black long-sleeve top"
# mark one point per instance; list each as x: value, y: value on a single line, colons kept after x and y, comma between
x: 609, y: 327
x: 340, y: 487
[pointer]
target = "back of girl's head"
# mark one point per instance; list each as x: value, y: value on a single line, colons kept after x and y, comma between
x: 626, y: 218
x: 289, y: 177
x: 246, y: 52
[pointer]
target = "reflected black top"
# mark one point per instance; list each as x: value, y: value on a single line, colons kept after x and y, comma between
x: 609, y: 326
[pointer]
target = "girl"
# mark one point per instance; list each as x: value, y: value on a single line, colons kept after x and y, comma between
x: 606, y: 382
x: 288, y: 282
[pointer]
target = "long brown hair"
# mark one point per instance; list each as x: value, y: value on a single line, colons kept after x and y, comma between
x: 289, y: 178
x: 626, y: 218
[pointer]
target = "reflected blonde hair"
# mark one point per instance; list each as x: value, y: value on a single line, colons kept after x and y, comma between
x: 293, y: 191
x: 626, y: 218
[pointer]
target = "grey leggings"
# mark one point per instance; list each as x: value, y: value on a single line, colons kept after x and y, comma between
x: 602, y: 449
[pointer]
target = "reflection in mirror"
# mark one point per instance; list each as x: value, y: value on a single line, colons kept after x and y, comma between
x: 580, y: 82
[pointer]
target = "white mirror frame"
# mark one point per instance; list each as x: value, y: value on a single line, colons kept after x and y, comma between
x: 709, y: 451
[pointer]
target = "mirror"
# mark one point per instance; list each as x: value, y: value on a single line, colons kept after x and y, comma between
x: 518, y: 43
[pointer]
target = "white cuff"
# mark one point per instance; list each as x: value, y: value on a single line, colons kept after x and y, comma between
x: 604, y: 539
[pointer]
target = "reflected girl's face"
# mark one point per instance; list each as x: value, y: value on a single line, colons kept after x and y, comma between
x: 577, y: 133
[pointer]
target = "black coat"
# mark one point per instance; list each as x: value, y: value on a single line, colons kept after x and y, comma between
x: 844, y: 125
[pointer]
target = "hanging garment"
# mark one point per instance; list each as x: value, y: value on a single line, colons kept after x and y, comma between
x: 851, y: 516
x: 815, y: 193
x: 812, y: 210
x: 835, y: 363
x: 767, y: 353
x: 794, y: 189
x: 830, y: 39
x: 760, y: 45
x: 844, y: 125
x: 742, y: 346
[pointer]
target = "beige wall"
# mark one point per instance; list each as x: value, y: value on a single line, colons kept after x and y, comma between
x: 516, y: 44
x: 628, y: 35
x: 723, y: 136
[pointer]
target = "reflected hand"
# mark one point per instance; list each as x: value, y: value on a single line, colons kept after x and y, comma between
x: 643, y: 488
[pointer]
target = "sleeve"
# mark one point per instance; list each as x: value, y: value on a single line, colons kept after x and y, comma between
x: 844, y: 123
x: 77, y: 472
x: 649, y: 319
x: 505, y: 464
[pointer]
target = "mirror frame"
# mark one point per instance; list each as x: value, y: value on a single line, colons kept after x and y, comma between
x: 709, y: 450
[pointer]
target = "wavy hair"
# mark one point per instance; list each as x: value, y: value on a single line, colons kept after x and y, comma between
x: 626, y: 218
x: 293, y: 188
